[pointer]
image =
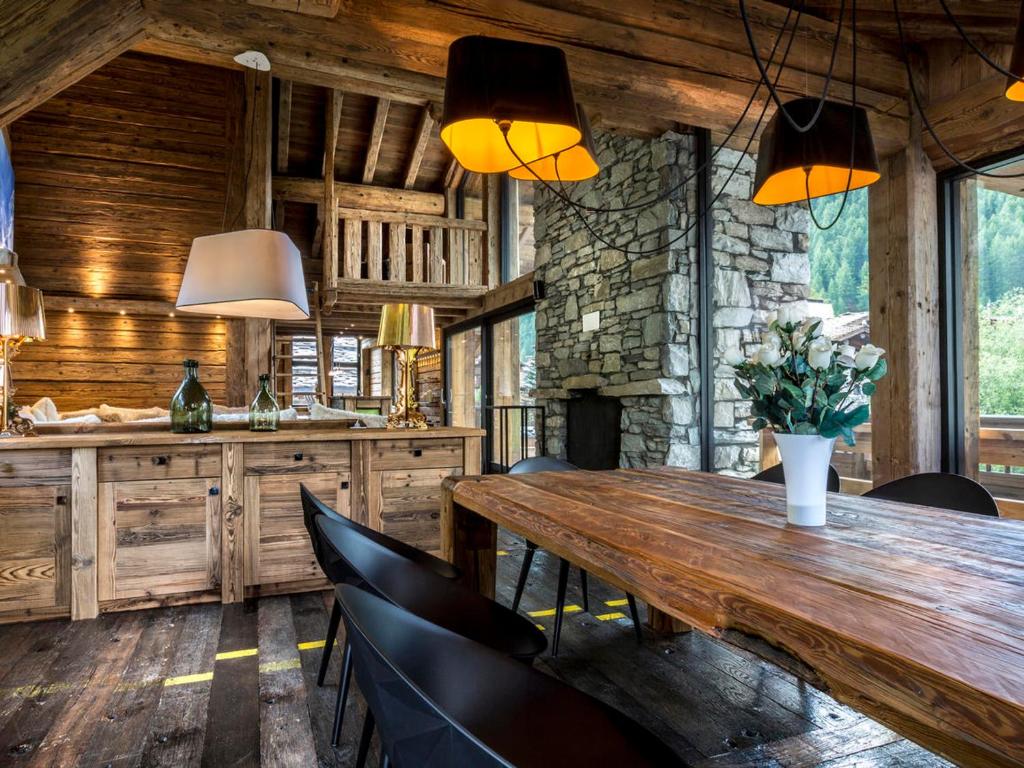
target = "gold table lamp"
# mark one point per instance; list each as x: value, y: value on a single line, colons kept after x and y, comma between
x: 21, y: 320
x: 406, y: 329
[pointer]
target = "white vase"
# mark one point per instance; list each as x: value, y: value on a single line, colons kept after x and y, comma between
x: 805, y: 460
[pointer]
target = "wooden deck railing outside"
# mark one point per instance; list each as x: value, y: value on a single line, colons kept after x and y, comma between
x: 1000, y: 451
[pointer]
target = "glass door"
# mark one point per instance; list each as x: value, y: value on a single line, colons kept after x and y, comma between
x: 465, y: 380
x: 514, y: 422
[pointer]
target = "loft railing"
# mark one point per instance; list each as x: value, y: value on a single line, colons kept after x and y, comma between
x: 418, y: 248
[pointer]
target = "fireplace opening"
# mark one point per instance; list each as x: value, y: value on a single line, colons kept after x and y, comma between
x: 593, y: 432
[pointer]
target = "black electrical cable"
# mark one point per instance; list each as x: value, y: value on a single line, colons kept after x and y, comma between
x: 853, y: 136
x: 772, y: 88
x: 662, y: 196
x: 644, y: 252
x: 967, y: 39
x: 924, y: 117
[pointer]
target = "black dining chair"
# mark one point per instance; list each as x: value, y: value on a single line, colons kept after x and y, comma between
x: 939, y: 489
x: 440, y: 699
x: 419, y: 590
x: 551, y: 464
x: 337, y: 573
x: 775, y: 474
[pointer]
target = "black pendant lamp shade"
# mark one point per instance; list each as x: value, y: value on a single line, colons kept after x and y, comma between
x: 494, y: 85
x: 1014, y: 85
x: 577, y: 163
x: 790, y: 163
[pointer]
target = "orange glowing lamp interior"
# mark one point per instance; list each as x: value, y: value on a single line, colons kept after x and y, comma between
x: 791, y: 185
x: 478, y: 143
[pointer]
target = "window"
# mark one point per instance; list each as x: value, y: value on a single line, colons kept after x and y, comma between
x: 345, y: 365
x: 465, y: 392
x: 984, y: 328
x: 839, y: 295
x: 514, y: 423
x: 303, y: 370
x: 518, y: 246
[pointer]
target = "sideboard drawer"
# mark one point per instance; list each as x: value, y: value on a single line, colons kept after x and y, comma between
x: 416, y: 454
x: 157, y: 462
x: 286, y: 458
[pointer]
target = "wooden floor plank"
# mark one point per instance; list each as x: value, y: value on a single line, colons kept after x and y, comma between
x: 716, y: 705
x: 286, y: 737
x: 115, y: 740
x: 37, y: 705
x: 77, y: 719
x: 177, y: 730
x: 310, y: 621
x: 233, y: 716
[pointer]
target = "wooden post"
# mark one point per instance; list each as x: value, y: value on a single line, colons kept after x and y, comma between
x: 84, y: 595
x: 492, y: 240
x: 969, y: 273
x: 903, y: 253
x: 329, y: 208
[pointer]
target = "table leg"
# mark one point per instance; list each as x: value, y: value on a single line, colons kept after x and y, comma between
x: 469, y: 542
x: 662, y: 623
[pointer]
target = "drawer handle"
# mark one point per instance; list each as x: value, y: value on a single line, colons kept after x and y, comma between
x: 62, y: 500
x: 215, y: 491
x: 298, y: 456
x: 417, y: 452
x: 159, y: 461
x: 344, y: 485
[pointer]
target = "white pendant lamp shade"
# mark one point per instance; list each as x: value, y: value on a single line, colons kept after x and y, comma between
x: 250, y: 273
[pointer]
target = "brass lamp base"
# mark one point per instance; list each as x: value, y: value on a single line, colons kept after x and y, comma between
x: 11, y: 426
x: 406, y: 414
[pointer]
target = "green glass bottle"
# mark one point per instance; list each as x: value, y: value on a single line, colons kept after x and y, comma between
x: 191, y: 409
x: 264, y: 415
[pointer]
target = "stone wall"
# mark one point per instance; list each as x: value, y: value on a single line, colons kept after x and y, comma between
x: 645, y: 351
x: 760, y: 257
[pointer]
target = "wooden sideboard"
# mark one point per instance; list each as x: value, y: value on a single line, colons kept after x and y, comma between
x: 105, y: 522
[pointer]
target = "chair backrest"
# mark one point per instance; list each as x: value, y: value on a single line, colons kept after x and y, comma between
x: 939, y: 489
x: 775, y: 474
x: 312, y: 507
x: 541, y: 464
x: 441, y: 700
x: 421, y: 591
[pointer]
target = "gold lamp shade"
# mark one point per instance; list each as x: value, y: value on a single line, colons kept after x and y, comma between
x: 21, y: 307
x: 495, y: 86
x: 406, y: 326
x: 574, y: 164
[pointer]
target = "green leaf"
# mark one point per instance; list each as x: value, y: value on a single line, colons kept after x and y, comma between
x: 765, y: 383
x: 848, y: 436
x: 793, y: 390
x: 880, y: 369
x: 759, y: 423
x: 836, y: 399
x: 804, y: 428
x: 857, y: 416
x: 868, y: 388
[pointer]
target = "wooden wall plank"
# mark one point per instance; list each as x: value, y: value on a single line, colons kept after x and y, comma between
x: 353, y: 267
x: 416, y: 254
x: 84, y: 597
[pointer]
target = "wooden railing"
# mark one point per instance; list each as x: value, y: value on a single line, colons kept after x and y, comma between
x: 1000, y: 451
x: 418, y: 248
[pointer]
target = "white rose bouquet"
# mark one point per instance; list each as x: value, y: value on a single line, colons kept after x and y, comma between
x: 799, y: 382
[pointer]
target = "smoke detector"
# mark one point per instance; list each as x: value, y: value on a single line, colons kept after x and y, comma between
x: 254, y: 60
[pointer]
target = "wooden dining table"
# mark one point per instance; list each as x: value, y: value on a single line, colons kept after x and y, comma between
x: 912, y: 615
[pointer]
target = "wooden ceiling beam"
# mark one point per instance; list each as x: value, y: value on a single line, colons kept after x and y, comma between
x: 302, y: 190
x: 50, y: 44
x: 695, y: 72
x: 357, y: 291
x: 419, y: 147
x: 380, y: 121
